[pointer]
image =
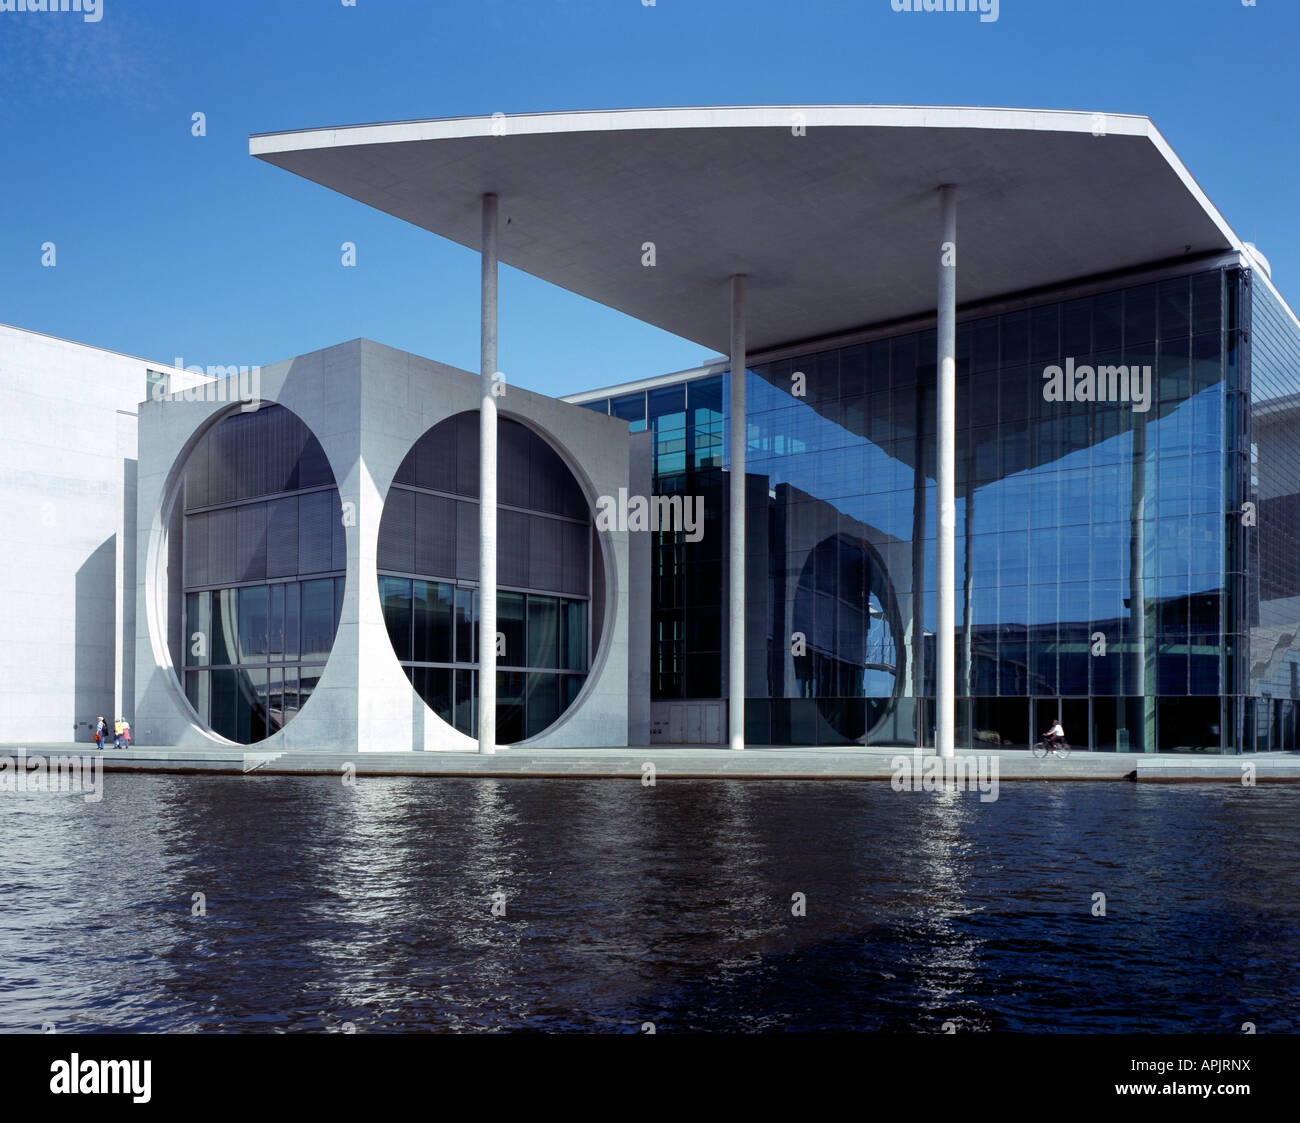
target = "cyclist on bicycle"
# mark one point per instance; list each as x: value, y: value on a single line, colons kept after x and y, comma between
x: 1054, y: 736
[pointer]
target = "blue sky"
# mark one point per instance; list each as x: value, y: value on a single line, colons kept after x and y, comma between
x: 170, y: 245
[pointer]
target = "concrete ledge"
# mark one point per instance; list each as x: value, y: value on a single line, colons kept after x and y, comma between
x: 684, y: 763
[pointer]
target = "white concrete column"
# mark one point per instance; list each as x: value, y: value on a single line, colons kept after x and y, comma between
x: 736, y: 598
x: 487, y: 489
x: 946, y: 439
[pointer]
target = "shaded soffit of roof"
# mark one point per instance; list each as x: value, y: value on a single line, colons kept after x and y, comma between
x: 832, y: 212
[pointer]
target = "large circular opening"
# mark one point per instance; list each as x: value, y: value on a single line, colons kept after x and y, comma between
x: 255, y: 573
x: 549, y: 577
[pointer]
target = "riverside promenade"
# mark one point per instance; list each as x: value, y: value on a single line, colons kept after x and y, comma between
x: 677, y: 762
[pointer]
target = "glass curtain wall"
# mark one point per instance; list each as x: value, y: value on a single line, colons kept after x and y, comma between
x: 1095, y: 548
x: 1270, y: 550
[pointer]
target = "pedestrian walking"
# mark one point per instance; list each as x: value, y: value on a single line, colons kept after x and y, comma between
x: 101, y: 731
x: 126, y: 734
x: 117, y: 734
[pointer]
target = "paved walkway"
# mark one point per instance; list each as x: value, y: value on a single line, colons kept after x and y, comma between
x: 687, y: 762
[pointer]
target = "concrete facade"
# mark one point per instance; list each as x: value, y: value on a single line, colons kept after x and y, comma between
x: 67, y: 580
x: 368, y: 405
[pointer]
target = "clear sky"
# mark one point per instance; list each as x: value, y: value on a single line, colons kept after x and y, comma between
x: 173, y: 245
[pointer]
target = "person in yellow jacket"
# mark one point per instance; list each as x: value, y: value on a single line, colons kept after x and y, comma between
x: 117, y: 734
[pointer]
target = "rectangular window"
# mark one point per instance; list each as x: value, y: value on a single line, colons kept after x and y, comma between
x: 573, y: 635
x: 395, y: 599
x: 432, y: 606
x: 466, y: 626
x: 318, y: 619
x: 253, y: 624
x: 224, y: 720
x: 543, y: 632
x: 222, y: 641
x: 466, y: 715
x: 510, y: 626
x: 276, y: 646
x: 631, y: 408
x: 292, y: 618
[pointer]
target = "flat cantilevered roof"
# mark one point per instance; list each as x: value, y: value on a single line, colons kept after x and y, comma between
x: 831, y: 211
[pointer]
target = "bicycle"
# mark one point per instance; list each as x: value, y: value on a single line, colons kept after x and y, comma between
x: 1041, y: 749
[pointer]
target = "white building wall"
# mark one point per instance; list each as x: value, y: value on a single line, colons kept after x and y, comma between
x: 67, y: 470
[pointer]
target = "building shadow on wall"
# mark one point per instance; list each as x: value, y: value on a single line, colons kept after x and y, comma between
x: 95, y: 638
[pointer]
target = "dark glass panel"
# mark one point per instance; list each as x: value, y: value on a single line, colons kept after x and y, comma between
x: 433, y: 684
x: 252, y: 704
x: 543, y: 632
x: 466, y: 712
x: 291, y: 706
x: 510, y: 706
x: 275, y: 701
x: 511, y: 627
x: 318, y: 618
x: 197, y: 688
x: 1000, y: 721
x: 224, y: 720
x: 1189, y: 725
x: 292, y: 619
x: 1175, y: 308
x: 543, y: 702
x: 1139, y: 317
x: 466, y: 614
x: 395, y: 598
x: 225, y: 627
x: 631, y: 408
x: 275, y: 646
x: 433, y: 610
x: 1207, y: 302
x: 254, y: 611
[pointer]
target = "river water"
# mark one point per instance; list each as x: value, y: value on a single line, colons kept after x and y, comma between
x: 375, y: 907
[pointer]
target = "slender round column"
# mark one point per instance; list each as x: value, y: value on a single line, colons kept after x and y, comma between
x: 736, y: 598
x: 945, y: 737
x: 487, y: 490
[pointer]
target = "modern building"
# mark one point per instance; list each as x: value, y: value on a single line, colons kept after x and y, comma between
x: 1015, y: 439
